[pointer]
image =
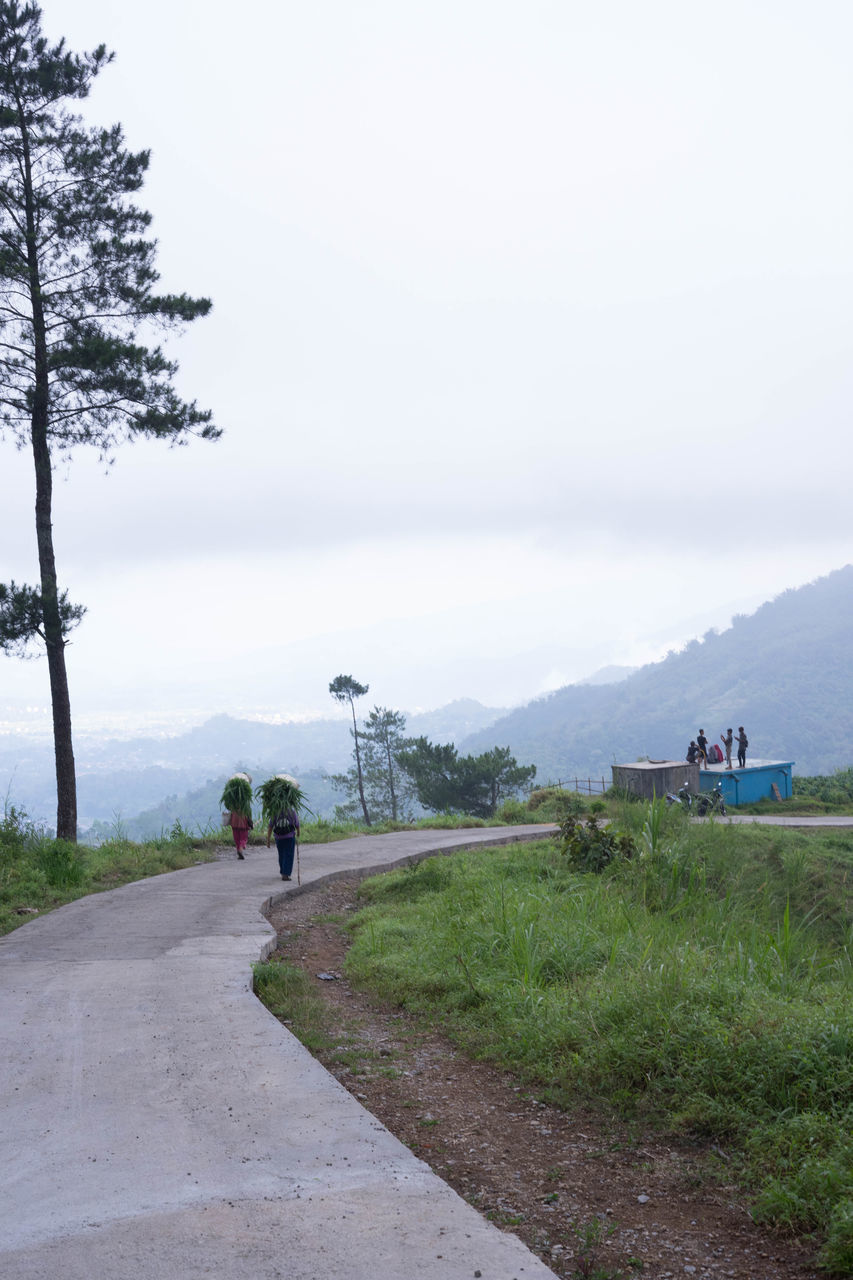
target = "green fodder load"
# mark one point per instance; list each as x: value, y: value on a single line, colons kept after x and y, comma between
x: 237, y: 796
x: 279, y: 794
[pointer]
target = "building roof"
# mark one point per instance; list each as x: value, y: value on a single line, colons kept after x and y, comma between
x: 651, y: 764
x: 751, y: 764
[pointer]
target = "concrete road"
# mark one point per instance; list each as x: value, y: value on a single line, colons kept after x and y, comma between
x: 803, y: 822
x: 158, y: 1122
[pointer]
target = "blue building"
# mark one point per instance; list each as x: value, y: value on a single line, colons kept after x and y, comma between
x: 755, y: 782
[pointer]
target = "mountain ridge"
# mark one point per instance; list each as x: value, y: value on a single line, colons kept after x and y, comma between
x: 782, y: 671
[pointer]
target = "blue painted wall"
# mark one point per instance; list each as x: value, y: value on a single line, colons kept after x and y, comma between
x: 744, y: 786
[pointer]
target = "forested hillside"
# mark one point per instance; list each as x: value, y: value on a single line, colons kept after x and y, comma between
x: 783, y: 672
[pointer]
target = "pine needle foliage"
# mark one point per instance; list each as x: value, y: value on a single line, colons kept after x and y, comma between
x: 22, y: 618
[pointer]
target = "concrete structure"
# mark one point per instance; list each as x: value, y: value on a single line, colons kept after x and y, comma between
x: 650, y: 778
x: 159, y: 1122
x: 755, y: 782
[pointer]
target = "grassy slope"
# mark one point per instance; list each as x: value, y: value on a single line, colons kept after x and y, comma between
x: 705, y: 986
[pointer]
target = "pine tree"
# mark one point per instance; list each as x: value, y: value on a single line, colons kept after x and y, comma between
x: 388, y: 792
x: 444, y: 780
x: 345, y: 689
x: 78, y: 309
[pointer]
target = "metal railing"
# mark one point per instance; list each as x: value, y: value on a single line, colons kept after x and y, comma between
x: 588, y: 786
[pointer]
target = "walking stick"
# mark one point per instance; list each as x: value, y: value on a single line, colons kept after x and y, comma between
x: 298, y: 870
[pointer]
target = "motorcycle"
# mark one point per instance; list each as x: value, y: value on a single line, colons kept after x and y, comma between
x: 682, y: 796
x: 705, y: 804
x: 710, y: 802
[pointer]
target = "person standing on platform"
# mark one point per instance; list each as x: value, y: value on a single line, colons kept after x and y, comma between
x: 726, y: 739
x: 702, y: 744
x: 742, y: 745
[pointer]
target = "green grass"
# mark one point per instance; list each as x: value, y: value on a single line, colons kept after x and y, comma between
x: 287, y: 993
x: 38, y: 873
x: 703, y: 985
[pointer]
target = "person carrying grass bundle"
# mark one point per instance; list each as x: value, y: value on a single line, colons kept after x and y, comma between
x: 236, y: 799
x: 282, y: 800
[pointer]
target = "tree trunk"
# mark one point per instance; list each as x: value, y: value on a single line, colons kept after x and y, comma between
x: 391, y: 780
x: 367, y: 821
x: 66, y: 779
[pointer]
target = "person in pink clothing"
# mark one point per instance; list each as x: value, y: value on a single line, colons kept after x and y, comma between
x: 239, y: 824
x: 238, y: 815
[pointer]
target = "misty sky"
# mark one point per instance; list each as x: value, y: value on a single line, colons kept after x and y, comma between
x: 531, y: 341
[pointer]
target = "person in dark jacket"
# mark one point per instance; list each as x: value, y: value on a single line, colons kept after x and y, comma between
x: 702, y: 744
x: 285, y: 828
x: 742, y: 744
x: 692, y: 752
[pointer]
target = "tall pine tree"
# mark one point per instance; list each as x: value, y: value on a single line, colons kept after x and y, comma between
x: 344, y: 689
x: 78, y: 314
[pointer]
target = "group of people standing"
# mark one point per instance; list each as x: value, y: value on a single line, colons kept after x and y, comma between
x: 699, y: 752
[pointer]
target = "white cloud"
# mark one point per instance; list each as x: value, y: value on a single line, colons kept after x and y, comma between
x: 531, y: 339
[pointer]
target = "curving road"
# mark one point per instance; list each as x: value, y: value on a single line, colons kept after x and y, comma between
x: 158, y: 1122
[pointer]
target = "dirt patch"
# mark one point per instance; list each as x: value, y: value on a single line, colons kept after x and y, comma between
x: 588, y: 1196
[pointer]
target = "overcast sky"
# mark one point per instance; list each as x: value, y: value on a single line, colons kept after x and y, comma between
x: 531, y: 342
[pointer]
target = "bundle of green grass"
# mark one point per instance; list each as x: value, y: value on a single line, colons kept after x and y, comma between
x: 279, y: 794
x: 237, y: 796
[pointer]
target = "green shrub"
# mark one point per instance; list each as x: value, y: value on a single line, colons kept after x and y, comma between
x: 17, y: 833
x: 552, y: 804
x: 836, y: 1254
x: 589, y: 847
x: 513, y: 811
x: 61, y: 863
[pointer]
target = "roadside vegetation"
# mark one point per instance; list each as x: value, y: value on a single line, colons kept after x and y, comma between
x: 38, y: 873
x: 696, y: 978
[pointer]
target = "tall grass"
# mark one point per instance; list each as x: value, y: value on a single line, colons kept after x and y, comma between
x: 703, y: 984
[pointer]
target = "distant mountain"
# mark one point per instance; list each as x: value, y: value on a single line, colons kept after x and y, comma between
x: 784, y: 672
x: 146, y: 782
x: 609, y: 675
x: 454, y: 721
